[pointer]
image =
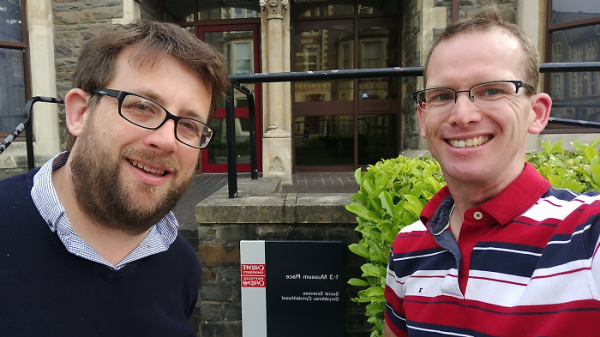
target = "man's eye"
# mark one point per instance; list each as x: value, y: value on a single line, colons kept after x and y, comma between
x: 189, y: 125
x: 143, y: 106
x: 492, y: 92
x: 442, y: 97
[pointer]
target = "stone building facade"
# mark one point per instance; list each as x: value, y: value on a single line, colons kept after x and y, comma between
x: 57, y: 29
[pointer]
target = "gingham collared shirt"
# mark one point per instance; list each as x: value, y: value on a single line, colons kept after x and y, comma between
x: 44, y: 196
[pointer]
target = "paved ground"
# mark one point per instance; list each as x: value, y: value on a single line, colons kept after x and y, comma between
x: 206, y: 184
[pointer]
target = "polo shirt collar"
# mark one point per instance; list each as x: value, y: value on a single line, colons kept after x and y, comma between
x: 511, y: 202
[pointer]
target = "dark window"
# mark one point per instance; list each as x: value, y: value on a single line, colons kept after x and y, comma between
x: 574, y: 36
x: 13, y: 79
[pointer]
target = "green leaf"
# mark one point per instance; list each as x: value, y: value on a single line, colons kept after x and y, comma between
x: 359, y: 249
x: 387, y: 203
x: 358, y: 282
x: 373, y: 270
x: 374, y: 292
x: 557, y: 147
x: 547, y: 146
x: 596, y: 174
x: 358, y: 175
x: 590, y: 153
x: 361, y: 211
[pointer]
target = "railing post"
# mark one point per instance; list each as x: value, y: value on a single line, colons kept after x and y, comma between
x: 231, y: 158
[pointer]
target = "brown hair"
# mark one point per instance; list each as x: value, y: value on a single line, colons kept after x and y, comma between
x: 95, y: 66
x: 485, y: 20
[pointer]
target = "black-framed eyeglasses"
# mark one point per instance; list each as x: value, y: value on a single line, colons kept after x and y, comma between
x: 483, y: 95
x: 148, y: 114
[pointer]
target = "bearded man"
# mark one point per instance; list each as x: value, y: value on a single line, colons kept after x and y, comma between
x: 89, y: 245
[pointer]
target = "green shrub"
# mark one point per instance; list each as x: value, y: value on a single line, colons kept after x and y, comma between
x: 393, y: 192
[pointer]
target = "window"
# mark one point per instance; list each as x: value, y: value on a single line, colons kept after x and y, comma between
x: 346, y: 62
x: 557, y: 52
x: 243, y: 58
x: 557, y: 86
x: 371, y: 55
x: 573, y: 28
x: 13, y: 85
x: 312, y: 57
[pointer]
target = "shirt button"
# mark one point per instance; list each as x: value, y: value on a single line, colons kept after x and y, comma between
x: 477, y: 215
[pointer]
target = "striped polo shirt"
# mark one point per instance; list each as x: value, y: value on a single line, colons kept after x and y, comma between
x: 523, y: 266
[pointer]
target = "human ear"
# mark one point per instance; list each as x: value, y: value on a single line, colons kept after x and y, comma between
x: 421, y: 122
x: 540, y: 106
x: 76, y: 104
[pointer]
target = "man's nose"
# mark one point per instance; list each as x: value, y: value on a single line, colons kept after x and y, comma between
x: 163, y: 138
x: 464, y: 110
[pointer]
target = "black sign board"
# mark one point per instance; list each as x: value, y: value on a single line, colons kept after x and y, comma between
x: 305, y: 288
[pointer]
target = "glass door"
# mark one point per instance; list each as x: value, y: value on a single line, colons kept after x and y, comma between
x: 239, y: 44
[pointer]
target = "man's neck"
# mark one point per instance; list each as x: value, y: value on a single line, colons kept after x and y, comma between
x: 112, y: 244
x: 468, y: 195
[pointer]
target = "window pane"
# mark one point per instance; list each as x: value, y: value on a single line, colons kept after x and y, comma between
x: 242, y: 58
x: 11, y: 27
x: 576, y: 44
x: 217, y: 149
x: 309, y: 8
x: 377, y: 138
x: 12, y: 89
x: 179, y: 11
x: 238, y: 51
x: 377, y: 7
x: 324, y: 140
x: 379, y: 49
x: 324, y: 49
x: 212, y: 10
x: 574, y: 10
x: 576, y: 95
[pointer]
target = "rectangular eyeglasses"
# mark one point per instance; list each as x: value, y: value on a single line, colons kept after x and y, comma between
x: 148, y: 114
x: 484, y: 95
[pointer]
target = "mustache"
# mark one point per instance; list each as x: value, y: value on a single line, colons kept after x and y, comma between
x: 152, y: 158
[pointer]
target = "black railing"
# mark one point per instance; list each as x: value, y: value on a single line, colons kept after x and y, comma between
x: 26, y: 124
x: 238, y: 80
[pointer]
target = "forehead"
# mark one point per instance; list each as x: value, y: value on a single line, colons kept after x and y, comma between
x: 476, y: 57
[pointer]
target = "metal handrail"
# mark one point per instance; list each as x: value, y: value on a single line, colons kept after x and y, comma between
x: 26, y: 124
x: 238, y: 80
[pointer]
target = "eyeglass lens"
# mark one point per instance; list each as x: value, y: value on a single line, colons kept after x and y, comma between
x: 143, y: 112
x: 484, y: 96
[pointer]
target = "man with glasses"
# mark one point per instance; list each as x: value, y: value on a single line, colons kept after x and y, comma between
x: 497, y: 252
x: 89, y: 246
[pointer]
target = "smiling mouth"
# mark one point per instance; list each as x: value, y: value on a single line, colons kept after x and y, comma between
x: 471, y: 142
x: 158, y: 173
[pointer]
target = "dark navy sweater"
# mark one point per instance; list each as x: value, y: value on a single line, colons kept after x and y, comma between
x: 47, y: 291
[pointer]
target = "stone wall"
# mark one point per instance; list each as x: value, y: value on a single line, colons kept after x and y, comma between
x: 259, y: 214
x: 74, y: 24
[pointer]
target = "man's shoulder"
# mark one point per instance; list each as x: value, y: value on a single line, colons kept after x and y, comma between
x: 16, y: 187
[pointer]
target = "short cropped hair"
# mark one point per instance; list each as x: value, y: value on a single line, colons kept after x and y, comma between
x: 153, y: 39
x: 485, y: 20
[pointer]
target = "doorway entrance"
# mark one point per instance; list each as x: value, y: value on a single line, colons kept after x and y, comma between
x: 235, y: 31
x: 239, y: 44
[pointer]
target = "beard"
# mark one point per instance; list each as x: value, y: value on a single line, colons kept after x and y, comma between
x: 108, y: 200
